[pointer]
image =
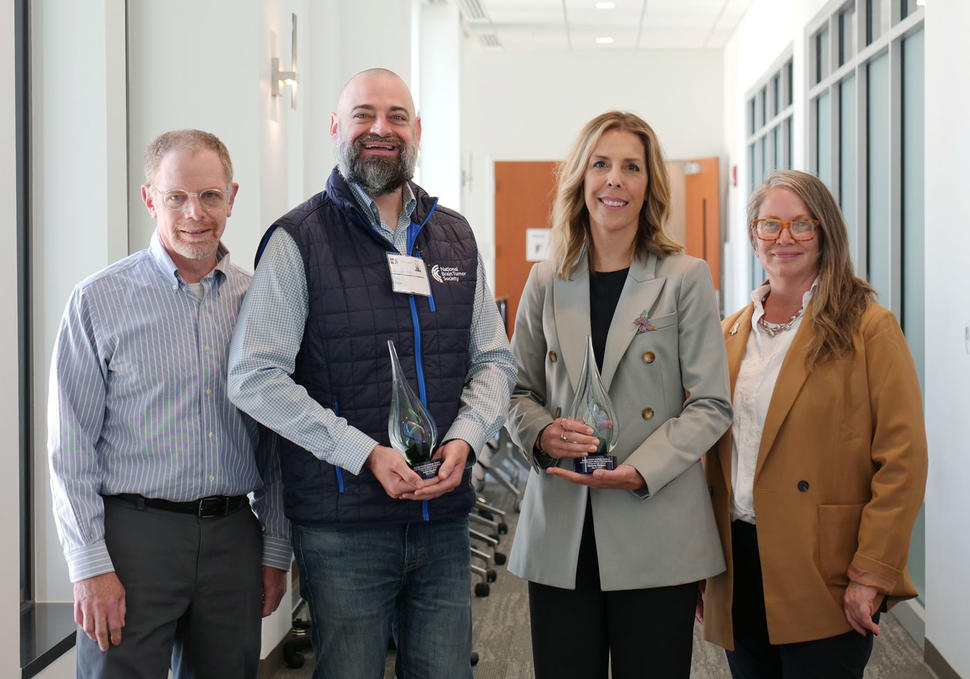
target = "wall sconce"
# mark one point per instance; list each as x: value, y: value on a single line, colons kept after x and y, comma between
x: 279, y: 79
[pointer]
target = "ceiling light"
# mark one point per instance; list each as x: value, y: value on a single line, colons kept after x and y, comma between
x: 604, y: 40
x: 605, y: 5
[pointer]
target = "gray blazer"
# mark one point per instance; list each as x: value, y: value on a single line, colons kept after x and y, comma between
x: 668, y: 380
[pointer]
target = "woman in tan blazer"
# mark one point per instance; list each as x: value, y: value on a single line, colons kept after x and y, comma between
x: 818, y: 483
x: 613, y: 558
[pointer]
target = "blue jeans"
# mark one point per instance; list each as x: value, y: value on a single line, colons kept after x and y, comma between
x: 359, y: 580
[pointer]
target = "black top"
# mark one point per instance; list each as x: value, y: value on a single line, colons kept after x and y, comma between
x: 604, y: 293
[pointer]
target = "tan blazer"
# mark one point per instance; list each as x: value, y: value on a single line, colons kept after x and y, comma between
x: 838, y: 483
x: 669, y: 537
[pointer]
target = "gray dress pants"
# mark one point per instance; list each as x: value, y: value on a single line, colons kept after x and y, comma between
x: 193, y: 592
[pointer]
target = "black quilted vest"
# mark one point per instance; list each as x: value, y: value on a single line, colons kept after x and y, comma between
x: 343, y: 361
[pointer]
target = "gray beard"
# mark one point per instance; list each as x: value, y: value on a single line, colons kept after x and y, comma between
x: 377, y: 176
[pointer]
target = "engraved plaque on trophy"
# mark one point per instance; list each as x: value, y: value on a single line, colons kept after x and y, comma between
x: 591, y: 405
x: 409, y: 424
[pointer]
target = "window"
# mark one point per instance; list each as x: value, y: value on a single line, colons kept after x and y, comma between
x: 865, y: 141
x: 770, y: 106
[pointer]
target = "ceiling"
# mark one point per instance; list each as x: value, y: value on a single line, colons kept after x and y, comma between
x: 581, y: 25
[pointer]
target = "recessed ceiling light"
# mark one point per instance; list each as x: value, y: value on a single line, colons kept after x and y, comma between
x: 604, y: 40
x: 605, y: 5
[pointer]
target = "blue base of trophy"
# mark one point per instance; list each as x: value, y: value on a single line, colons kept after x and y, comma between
x: 427, y: 470
x: 590, y: 463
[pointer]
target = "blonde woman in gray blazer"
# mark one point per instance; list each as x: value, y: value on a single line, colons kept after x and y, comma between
x: 613, y: 558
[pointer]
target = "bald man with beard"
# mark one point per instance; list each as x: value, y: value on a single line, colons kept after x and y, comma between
x: 374, y: 541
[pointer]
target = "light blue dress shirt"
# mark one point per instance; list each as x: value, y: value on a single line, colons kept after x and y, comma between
x: 138, y: 404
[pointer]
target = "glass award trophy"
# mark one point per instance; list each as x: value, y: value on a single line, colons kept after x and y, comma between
x: 409, y: 424
x: 591, y: 405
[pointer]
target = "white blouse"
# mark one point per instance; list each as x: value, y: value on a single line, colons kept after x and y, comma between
x: 763, y: 356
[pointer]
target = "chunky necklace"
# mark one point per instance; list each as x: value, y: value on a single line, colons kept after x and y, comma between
x: 773, y: 329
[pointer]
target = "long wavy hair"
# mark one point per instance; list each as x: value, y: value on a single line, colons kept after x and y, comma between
x: 570, y: 216
x: 841, y: 297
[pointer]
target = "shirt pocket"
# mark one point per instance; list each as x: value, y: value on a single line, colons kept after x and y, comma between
x: 838, y: 540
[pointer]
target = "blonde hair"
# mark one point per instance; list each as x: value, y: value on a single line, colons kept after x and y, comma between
x: 192, y: 140
x: 841, y: 297
x: 570, y: 216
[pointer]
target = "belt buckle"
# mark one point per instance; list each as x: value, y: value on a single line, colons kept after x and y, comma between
x: 216, y: 505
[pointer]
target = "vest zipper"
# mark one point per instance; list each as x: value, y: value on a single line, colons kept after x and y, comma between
x: 340, y: 472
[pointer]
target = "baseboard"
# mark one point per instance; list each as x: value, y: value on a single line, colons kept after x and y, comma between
x: 937, y: 662
x: 912, y: 616
x: 273, y: 662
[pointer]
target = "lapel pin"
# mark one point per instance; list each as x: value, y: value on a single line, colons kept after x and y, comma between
x: 643, y: 323
x: 734, y: 328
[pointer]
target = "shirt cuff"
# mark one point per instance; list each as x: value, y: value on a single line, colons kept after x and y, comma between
x: 352, y: 450
x: 277, y: 553
x: 470, y: 433
x: 88, y: 561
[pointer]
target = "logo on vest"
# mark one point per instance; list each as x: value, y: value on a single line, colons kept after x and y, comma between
x: 447, y: 274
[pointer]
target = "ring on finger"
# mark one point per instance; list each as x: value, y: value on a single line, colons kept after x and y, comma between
x: 562, y: 437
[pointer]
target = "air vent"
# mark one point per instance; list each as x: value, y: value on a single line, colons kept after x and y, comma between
x: 489, y: 40
x: 473, y: 10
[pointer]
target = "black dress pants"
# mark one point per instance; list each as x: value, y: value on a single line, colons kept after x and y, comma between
x: 839, y: 657
x: 642, y: 633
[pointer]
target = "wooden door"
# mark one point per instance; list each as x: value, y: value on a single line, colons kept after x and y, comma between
x: 523, y: 200
x: 702, y: 200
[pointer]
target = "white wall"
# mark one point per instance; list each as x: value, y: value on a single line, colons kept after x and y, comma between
x: 532, y: 105
x: 78, y: 203
x: 439, y: 102
x: 947, y: 24
x: 768, y: 29
x: 9, y: 363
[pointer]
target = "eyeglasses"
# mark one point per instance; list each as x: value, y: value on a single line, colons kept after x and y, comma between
x: 800, y: 229
x: 177, y: 199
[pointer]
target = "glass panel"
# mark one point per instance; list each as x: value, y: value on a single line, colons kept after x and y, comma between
x: 823, y: 137
x: 759, y: 162
x: 912, y: 246
x: 848, y: 154
x: 906, y: 7
x: 778, y: 143
x: 821, y: 55
x: 847, y: 31
x: 788, y: 136
x: 775, y: 96
x: 770, y: 144
x: 878, y: 193
x: 751, y: 116
x: 877, y: 19
x: 759, y: 110
x: 788, y: 84
x: 752, y: 177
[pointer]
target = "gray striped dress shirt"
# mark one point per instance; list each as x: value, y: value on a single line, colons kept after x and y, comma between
x: 270, y: 331
x: 138, y: 404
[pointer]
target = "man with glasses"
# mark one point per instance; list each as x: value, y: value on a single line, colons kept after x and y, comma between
x: 150, y: 463
x: 336, y: 279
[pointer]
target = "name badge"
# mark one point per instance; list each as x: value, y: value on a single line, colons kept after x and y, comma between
x: 408, y: 275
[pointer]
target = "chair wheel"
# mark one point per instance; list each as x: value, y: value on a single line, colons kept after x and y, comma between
x: 474, y: 659
x: 499, y: 558
x: 481, y: 589
x: 491, y: 575
x: 293, y: 659
x: 503, y: 528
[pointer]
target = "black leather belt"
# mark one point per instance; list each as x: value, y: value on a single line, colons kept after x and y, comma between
x: 205, y: 508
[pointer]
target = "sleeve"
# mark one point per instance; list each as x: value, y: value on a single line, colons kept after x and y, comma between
x: 899, y: 457
x: 268, y: 503
x: 528, y: 415
x: 681, y: 441
x: 491, y: 373
x: 262, y: 357
x: 75, y: 414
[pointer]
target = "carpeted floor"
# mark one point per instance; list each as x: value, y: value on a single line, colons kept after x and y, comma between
x: 502, y: 633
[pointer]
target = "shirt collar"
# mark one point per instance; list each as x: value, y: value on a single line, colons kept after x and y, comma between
x: 762, y: 291
x: 369, y: 205
x: 165, y: 263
